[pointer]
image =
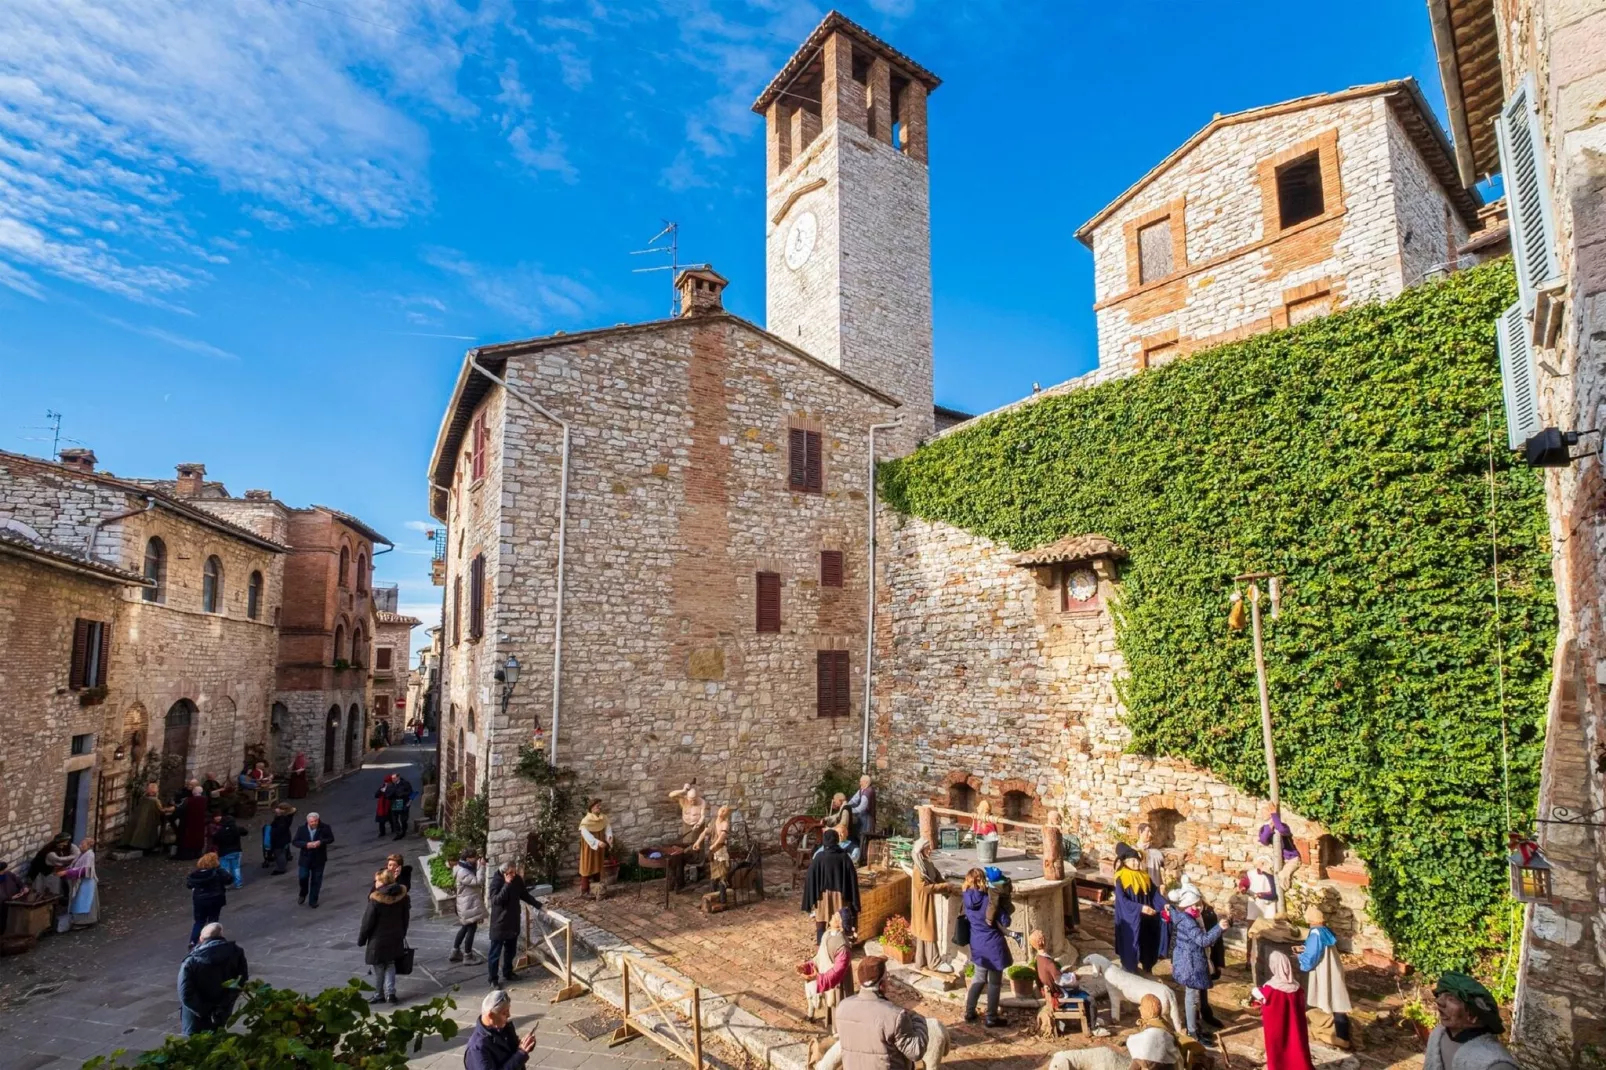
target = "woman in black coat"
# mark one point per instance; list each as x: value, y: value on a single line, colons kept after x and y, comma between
x: 207, y: 885
x: 384, y: 933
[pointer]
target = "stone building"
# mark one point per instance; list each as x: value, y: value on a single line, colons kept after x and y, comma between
x: 1270, y: 216
x: 1523, y: 82
x: 393, y: 647
x: 186, y: 655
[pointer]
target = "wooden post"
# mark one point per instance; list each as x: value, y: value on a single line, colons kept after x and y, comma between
x: 626, y: 1031
x: 928, y: 824
x: 570, y: 990
x: 697, y: 1027
x: 1271, y: 751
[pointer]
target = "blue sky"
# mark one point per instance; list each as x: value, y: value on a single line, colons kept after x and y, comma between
x: 261, y: 233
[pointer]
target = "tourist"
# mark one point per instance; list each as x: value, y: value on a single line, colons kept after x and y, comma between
x: 1282, y: 1016
x: 313, y: 838
x: 469, y: 880
x: 83, y: 888
x: 596, y: 839
x: 194, y: 822
x: 1260, y: 888
x: 831, y: 884
x: 874, y: 1033
x: 401, y: 801
x: 208, y: 887
x: 989, y: 948
x: 1064, y: 984
x: 400, y: 871
x: 495, y: 1044
x: 384, y: 933
x: 144, y: 829
x: 1469, y: 1022
x: 1141, y: 934
x: 1190, y: 967
x: 926, y: 888
x: 505, y: 892
x: 1275, y: 826
x: 278, y: 837
x: 205, y: 997
x: 226, y: 841
x: 863, y: 806
x: 1327, y: 997
x: 829, y: 973
x: 1152, y: 857
x: 382, y: 806
x: 1216, y: 953
x: 1153, y: 1046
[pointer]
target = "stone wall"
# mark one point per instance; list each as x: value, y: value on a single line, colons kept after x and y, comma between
x: 983, y: 682
x: 389, y: 686
x: 1428, y: 230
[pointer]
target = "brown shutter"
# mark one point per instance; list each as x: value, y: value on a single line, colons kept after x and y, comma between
x: 842, y: 686
x: 830, y: 568
x: 797, y: 459
x: 822, y: 683
x: 476, y: 597
x: 812, y: 476
x: 769, y: 602
x: 105, y: 654
x: 457, y: 609
x: 80, y: 654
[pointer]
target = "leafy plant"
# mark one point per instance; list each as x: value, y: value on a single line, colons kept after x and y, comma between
x: 440, y: 873
x: 1416, y: 1013
x: 1351, y: 455
x: 471, y: 824
x: 434, y: 832
x: 555, y: 821
x: 1019, y: 971
x: 895, y: 933
x: 836, y: 777
x: 281, y: 1029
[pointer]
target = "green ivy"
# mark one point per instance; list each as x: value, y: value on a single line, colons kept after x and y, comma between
x: 1351, y: 456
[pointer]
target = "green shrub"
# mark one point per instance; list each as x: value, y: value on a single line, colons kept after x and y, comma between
x: 835, y: 777
x: 440, y: 873
x: 471, y: 824
x: 1351, y: 455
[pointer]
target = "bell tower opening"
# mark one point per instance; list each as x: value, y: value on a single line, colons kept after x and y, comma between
x: 848, y: 227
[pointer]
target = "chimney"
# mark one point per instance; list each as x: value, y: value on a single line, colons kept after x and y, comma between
x: 190, y: 478
x: 259, y: 495
x: 700, y: 290
x: 79, y: 460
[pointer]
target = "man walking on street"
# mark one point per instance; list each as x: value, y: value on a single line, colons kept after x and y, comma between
x: 507, y: 891
x: 204, y: 999
x: 401, y: 799
x: 313, y: 839
x: 226, y: 837
x: 278, y: 837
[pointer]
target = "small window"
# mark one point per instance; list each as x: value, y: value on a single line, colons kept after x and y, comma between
x: 1017, y: 806
x: 91, y: 649
x: 345, y: 566
x: 477, y: 456
x: 156, y: 570
x: 359, y: 650
x: 804, y: 471
x: 1309, y: 308
x: 212, y: 585
x: 832, y: 685
x: 340, y: 641
x: 1154, y: 251
x: 830, y: 568
x: 471, y: 718
x: 382, y: 659
x: 362, y: 572
x: 457, y: 610
x: 1158, y: 356
x: 1299, y: 190
x: 84, y: 744
x: 253, y: 596
x: 769, y: 602
x: 476, y: 597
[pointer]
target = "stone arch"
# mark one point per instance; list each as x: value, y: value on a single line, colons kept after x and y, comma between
x: 1334, y: 861
x: 331, y: 740
x: 1167, y: 818
x: 353, y: 735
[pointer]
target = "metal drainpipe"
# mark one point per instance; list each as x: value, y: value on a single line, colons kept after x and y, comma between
x: 869, y: 631
x: 94, y: 532
x: 563, y: 516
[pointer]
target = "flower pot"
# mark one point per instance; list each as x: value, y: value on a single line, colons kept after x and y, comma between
x: 1023, y: 987
x: 986, y: 850
x: 898, y: 954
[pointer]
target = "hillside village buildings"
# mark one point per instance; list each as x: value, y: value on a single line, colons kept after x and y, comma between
x: 152, y: 628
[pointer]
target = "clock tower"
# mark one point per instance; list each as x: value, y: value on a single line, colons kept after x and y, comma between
x: 848, y: 214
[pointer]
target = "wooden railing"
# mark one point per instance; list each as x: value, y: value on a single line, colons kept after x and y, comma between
x: 661, y: 1020
x: 1052, y: 847
x: 545, y: 953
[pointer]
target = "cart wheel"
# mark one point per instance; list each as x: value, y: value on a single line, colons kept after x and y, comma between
x: 800, y: 836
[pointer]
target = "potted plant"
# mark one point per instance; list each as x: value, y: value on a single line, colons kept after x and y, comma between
x: 896, y: 940
x: 1415, y: 1014
x: 1022, y: 980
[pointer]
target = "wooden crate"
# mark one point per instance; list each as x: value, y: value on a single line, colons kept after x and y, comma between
x: 882, y: 893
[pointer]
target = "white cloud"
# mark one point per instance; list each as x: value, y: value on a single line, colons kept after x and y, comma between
x: 537, y: 146
x: 522, y: 291
x: 178, y: 341
x: 421, y: 526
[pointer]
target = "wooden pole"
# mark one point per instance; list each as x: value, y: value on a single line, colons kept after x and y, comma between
x: 697, y: 1027
x: 1265, y: 734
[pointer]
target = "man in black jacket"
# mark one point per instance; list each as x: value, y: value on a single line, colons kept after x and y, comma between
x: 313, y: 839
x: 401, y: 798
x: 226, y: 841
x: 384, y: 933
x: 507, y: 890
x: 204, y: 1000
x: 279, y: 837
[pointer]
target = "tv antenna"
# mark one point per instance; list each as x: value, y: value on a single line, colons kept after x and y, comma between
x: 658, y: 246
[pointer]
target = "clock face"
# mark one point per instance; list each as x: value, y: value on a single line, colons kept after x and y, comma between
x: 800, y: 240
x: 1082, y: 584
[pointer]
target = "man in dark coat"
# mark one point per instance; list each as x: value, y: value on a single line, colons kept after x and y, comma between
x: 204, y: 999
x: 284, y: 816
x: 495, y: 1044
x: 313, y: 838
x: 384, y: 933
x: 832, y: 884
x: 507, y: 890
x: 401, y: 798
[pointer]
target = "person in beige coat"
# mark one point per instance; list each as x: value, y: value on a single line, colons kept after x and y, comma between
x: 873, y: 1033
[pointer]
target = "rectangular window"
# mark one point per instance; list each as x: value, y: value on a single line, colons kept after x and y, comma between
x: 1157, y: 356
x: 1299, y: 190
x: 457, y: 610
x: 91, y: 648
x: 476, y: 597
x: 804, y: 471
x: 1154, y: 251
x: 477, y: 458
x: 382, y: 658
x: 84, y: 744
x: 831, y: 683
x: 769, y: 602
x: 830, y: 568
x: 1308, y: 308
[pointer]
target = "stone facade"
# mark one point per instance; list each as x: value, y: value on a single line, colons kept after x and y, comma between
x: 393, y: 645
x: 678, y: 496
x: 1224, y: 264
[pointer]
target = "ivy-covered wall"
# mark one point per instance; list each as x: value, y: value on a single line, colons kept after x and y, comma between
x: 1350, y: 455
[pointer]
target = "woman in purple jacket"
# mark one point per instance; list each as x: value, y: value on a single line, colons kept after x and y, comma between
x: 989, y: 950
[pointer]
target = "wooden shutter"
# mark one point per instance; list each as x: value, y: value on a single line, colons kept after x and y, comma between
x: 457, y: 609
x: 769, y: 602
x: 1517, y: 378
x: 1522, y: 163
x: 382, y: 658
x: 105, y: 654
x: 830, y: 568
x: 797, y: 459
x: 813, y: 479
x: 831, y: 684
x: 477, y: 456
x: 476, y: 597
x: 840, y: 690
x: 822, y: 683
x: 80, y: 654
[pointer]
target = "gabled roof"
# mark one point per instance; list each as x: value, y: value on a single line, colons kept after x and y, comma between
x: 17, y: 543
x: 1466, y: 38
x: 385, y: 616
x: 836, y: 22
x: 473, y: 385
x: 354, y: 524
x: 1072, y: 548
x: 1403, y: 95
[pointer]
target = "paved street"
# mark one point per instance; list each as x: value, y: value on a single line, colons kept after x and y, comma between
x: 90, y: 993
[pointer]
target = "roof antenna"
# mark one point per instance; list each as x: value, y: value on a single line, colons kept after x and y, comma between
x: 671, y: 231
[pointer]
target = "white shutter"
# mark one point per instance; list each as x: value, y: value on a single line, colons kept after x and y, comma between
x: 1517, y: 377
x: 1522, y: 163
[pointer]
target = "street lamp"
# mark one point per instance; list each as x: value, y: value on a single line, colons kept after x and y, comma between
x: 1235, y: 620
x: 508, y: 677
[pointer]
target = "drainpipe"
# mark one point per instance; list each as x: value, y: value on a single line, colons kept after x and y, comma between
x: 563, y: 515
x: 94, y: 532
x: 869, y: 631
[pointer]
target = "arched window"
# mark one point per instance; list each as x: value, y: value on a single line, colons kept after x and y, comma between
x: 961, y: 797
x: 340, y: 641
x: 358, y: 651
x: 156, y: 570
x: 1017, y: 806
x: 345, y: 566
x: 212, y: 585
x: 253, y: 596
x: 471, y: 718
x: 362, y: 572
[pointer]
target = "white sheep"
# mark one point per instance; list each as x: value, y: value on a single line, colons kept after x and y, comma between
x: 1119, y: 985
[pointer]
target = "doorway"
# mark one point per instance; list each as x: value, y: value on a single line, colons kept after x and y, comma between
x: 353, y: 724
x: 331, y: 735
x: 176, y: 746
x: 75, y: 810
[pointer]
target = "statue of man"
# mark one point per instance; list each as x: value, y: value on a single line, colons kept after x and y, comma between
x: 693, y: 814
